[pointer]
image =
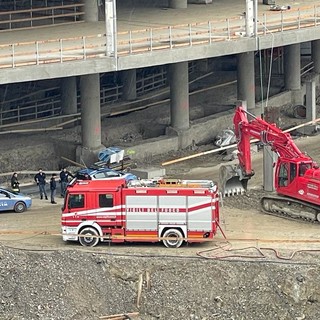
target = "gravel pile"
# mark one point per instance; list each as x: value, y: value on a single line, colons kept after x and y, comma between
x: 79, y: 285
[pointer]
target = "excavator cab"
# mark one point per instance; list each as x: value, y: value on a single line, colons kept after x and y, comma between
x: 288, y: 175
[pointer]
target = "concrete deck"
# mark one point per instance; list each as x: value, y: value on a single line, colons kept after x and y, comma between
x: 59, y: 51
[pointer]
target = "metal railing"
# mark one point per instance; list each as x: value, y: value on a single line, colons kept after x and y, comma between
x: 30, y: 107
x: 152, y: 82
x: 36, y: 17
x: 44, y: 108
x: 153, y: 39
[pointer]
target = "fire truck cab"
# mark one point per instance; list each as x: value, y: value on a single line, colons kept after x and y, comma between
x: 113, y: 211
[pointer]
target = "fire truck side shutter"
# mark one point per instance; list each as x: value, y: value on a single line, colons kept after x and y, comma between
x: 141, y: 212
x: 200, y: 213
x: 172, y: 210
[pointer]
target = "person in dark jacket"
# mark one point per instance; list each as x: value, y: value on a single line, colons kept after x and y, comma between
x: 15, y: 185
x: 64, y: 180
x: 53, y: 187
x: 40, y: 179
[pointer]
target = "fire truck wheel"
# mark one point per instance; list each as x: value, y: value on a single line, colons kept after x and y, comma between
x: 20, y: 207
x: 89, y: 237
x: 176, y: 238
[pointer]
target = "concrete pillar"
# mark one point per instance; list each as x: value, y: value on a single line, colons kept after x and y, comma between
x: 269, y: 158
x: 91, y: 10
x: 69, y: 95
x: 292, y: 67
x: 129, y: 81
x: 179, y: 94
x: 246, y: 79
x: 315, y: 52
x: 90, y: 111
x: 178, y: 4
x: 310, y: 100
x: 311, y: 106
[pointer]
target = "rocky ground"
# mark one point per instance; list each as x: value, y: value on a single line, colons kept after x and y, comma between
x: 79, y: 285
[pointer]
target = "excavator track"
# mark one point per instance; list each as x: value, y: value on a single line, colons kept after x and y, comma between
x: 291, y: 209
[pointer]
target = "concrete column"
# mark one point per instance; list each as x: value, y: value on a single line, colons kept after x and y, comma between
x: 315, y: 52
x: 178, y: 4
x: 311, y: 106
x: 91, y: 10
x: 90, y: 111
x: 179, y: 94
x: 129, y: 81
x: 269, y: 158
x: 69, y: 95
x: 310, y: 100
x: 246, y: 79
x: 292, y: 67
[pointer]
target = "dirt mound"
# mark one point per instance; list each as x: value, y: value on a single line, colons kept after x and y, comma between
x: 79, y: 285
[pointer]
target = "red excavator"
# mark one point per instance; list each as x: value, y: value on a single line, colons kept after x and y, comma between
x: 297, y: 176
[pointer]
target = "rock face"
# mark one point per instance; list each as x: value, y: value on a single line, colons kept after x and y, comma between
x: 81, y: 285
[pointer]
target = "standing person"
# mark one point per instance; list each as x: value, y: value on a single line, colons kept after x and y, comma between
x: 53, y: 187
x: 40, y: 179
x: 64, y: 180
x: 15, y: 183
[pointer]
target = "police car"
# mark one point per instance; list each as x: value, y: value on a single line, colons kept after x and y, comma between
x: 14, y: 201
x: 103, y: 173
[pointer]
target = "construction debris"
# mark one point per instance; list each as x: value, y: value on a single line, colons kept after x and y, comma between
x: 277, y: 7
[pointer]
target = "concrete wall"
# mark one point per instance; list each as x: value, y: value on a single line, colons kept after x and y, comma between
x: 204, y: 129
x: 152, y: 147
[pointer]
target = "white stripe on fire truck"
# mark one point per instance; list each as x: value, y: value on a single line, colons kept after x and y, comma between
x: 116, y: 210
x: 100, y: 211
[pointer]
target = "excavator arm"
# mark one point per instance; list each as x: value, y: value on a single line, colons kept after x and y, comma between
x: 268, y: 134
x: 234, y: 179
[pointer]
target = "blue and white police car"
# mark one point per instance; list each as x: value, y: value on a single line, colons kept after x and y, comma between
x: 14, y: 201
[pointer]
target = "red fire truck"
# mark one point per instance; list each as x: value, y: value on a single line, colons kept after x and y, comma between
x: 114, y: 211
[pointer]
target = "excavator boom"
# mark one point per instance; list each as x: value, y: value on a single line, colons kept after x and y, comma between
x: 268, y: 134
